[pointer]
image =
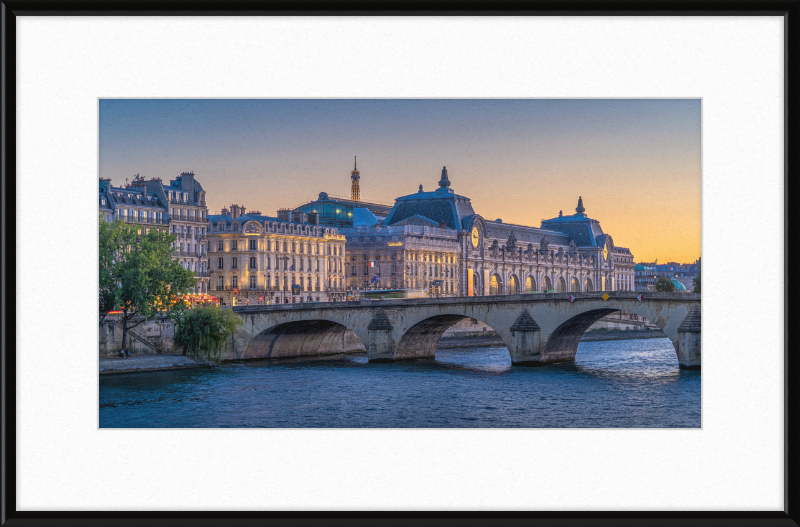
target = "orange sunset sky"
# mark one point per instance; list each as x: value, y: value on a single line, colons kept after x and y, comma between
x: 636, y: 163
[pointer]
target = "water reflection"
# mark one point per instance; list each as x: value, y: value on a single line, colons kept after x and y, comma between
x: 634, y: 383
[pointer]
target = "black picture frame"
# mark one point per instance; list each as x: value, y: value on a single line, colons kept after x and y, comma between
x: 789, y: 9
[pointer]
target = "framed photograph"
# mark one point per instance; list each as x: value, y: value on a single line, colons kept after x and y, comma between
x: 399, y: 266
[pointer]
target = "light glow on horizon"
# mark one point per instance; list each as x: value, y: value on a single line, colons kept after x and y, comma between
x: 636, y: 163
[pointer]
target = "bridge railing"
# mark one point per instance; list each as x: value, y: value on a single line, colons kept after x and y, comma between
x: 495, y: 299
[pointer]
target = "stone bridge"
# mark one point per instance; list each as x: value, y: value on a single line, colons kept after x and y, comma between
x: 537, y: 328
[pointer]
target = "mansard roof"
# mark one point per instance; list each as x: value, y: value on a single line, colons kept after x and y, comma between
x: 244, y: 218
x: 175, y: 184
x: 442, y: 205
x: 523, y: 234
x: 580, y: 227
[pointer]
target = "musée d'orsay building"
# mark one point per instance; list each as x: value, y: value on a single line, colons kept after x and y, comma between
x: 435, y: 239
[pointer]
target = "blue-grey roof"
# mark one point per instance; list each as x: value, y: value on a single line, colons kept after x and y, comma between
x: 440, y: 206
x: 579, y: 227
x: 244, y: 218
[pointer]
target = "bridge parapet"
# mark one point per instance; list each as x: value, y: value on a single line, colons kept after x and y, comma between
x: 458, y: 300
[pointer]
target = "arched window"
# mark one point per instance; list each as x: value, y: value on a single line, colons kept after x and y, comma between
x: 494, y: 285
x: 513, y: 286
x: 575, y: 287
x: 562, y: 286
x: 530, y: 285
x: 588, y: 285
x: 546, y: 285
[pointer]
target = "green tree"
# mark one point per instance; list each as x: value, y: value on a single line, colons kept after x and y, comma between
x: 203, y: 332
x: 665, y: 285
x: 138, y: 274
x: 696, y: 279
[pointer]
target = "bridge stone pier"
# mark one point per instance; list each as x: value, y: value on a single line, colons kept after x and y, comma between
x: 537, y: 329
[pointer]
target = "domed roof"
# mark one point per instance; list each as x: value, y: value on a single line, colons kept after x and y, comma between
x: 678, y: 286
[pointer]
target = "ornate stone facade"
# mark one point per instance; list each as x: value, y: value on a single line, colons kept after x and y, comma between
x: 565, y: 254
x: 258, y: 259
x: 403, y: 256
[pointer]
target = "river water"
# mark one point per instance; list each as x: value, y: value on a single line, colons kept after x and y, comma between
x: 623, y: 383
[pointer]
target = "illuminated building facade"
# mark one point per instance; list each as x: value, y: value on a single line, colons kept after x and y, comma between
x: 260, y: 259
x: 566, y: 254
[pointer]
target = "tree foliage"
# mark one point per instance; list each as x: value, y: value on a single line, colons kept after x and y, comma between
x: 203, y: 332
x: 665, y: 285
x: 138, y: 275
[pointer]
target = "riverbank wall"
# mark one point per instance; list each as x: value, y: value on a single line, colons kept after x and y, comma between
x: 150, y: 363
x: 152, y: 337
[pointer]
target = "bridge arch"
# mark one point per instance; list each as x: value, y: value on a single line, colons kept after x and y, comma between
x: 562, y: 342
x: 421, y: 339
x: 302, y: 338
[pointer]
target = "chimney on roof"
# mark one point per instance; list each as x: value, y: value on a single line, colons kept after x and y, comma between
x: 224, y: 211
x: 298, y: 216
x: 140, y: 184
x: 283, y: 214
x: 236, y: 211
x: 187, y: 184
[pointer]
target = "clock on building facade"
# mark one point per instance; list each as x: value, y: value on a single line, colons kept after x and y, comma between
x: 476, y: 237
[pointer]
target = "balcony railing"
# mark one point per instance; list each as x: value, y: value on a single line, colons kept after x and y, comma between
x: 277, y: 290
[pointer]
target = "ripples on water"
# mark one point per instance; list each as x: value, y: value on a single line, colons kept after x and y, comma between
x: 629, y: 383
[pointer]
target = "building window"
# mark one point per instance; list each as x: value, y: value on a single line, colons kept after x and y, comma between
x: 252, y: 244
x: 235, y: 281
x: 234, y: 262
x: 252, y: 282
x: 220, y: 246
x: 220, y: 282
x: 219, y: 264
x: 234, y: 245
x: 252, y: 262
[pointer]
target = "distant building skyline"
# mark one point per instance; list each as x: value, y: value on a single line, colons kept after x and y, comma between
x: 635, y: 162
